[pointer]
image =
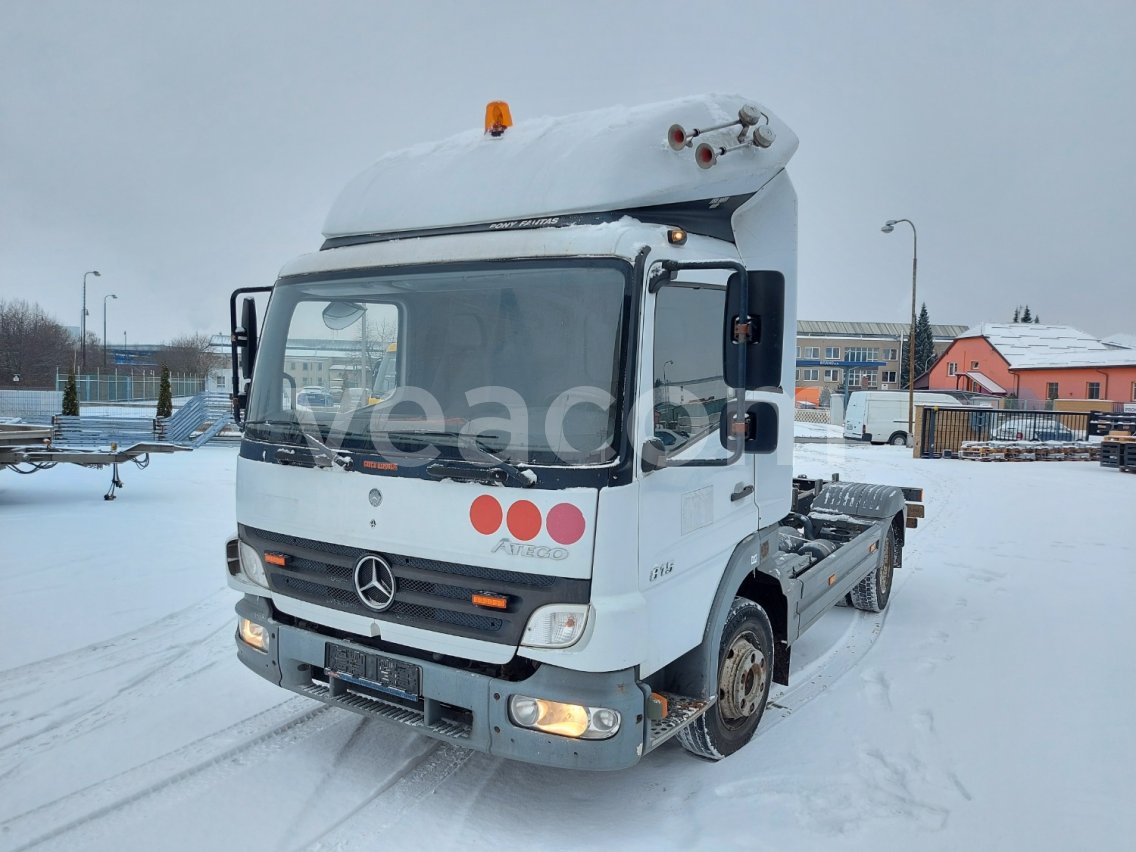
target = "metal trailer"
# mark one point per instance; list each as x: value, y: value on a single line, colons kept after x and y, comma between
x: 29, y: 449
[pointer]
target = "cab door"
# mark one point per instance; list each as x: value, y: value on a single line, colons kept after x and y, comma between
x: 690, y: 517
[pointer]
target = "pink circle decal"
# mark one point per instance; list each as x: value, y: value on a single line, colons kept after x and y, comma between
x: 565, y: 523
x: 485, y: 514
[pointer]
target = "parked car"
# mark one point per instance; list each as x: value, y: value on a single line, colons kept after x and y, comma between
x: 315, y: 398
x: 1032, y: 429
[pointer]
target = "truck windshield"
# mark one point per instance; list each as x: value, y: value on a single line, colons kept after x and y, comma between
x: 516, y: 362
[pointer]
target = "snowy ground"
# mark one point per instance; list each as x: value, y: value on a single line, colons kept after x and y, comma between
x: 989, y: 709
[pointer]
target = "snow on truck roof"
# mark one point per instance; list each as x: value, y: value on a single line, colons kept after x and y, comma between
x: 610, y: 160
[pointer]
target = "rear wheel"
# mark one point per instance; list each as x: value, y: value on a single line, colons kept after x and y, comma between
x: 745, y: 669
x: 871, y: 594
x: 898, y: 439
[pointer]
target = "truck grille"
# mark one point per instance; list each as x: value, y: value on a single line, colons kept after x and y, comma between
x: 429, y: 594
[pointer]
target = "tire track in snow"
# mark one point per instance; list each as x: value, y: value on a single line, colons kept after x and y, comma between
x: 289, y: 722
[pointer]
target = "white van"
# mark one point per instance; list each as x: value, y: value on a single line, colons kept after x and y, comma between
x: 881, y: 416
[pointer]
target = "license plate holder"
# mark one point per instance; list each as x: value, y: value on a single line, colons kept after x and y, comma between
x: 375, y: 671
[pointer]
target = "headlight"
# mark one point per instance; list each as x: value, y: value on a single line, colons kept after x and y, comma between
x: 556, y: 626
x: 252, y: 566
x: 567, y: 720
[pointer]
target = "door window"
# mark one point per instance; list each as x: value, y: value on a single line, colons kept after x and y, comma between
x: 689, y: 390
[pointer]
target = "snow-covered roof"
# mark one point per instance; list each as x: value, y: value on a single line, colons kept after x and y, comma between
x: 1128, y: 341
x: 839, y: 328
x: 985, y: 382
x: 607, y: 160
x: 1107, y: 357
x: 1019, y: 342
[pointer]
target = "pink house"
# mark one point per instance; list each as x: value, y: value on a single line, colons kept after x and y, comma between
x: 1035, y: 362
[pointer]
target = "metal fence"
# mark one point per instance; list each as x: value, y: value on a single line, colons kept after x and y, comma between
x: 812, y: 415
x: 125, y: 386
x: 30, y: 404
x: 944, y: 430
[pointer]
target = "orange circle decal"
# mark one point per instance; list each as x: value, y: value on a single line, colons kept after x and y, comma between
x: 485, y: 514
x: 524, y: 520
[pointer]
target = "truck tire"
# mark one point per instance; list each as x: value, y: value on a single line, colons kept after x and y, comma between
x: 745, y: 670
x: 898, y: 439
x: 871, y: 594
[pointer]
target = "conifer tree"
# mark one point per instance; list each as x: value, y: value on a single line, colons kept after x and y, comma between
x: 924, y: 342
x: 71, y: 396
x: 1026, y: 315
x: 165, y: 397
x: 1017, y: 314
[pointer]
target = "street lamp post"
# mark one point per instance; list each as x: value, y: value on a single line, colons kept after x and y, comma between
x: 107, y: 296
x: 888, y: 227
x: 83, y: 318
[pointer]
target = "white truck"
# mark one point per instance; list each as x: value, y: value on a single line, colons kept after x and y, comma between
x: 571, y: 530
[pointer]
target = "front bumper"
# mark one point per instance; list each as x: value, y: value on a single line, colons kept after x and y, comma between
x: 465, y: 708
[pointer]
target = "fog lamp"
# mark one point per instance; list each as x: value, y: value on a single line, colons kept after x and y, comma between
x: 253, y: 634
x: 566, y: 720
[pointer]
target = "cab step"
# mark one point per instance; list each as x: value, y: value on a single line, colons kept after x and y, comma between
x: 681, y: 710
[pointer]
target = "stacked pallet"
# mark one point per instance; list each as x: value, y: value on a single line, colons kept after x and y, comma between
x: 1029, y: 451
x: 1118, y: 449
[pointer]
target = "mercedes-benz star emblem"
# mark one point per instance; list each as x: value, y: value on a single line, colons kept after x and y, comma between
x: 374, y: 582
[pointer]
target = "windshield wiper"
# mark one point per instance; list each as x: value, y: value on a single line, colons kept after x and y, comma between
x: 321, y: 454
x: 497, y: 471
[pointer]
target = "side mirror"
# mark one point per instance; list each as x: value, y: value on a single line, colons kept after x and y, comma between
x: 754, y: 333
x: 242, y: 345
x: 653, y: 456
x: 247, y: 337
x: 760, y: 432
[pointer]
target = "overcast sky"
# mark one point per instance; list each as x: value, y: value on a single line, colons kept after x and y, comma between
x: 187, y: 149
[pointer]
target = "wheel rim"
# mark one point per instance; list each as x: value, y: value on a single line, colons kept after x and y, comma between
x: 743, y: 679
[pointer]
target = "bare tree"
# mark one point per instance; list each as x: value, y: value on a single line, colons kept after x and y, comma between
x: 189, y: 355
x: 32, y: 346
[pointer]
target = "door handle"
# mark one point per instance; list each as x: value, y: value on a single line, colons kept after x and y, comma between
x: 741, y: 491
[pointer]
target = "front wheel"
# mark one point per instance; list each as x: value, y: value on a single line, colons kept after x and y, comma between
x: 745, y: 668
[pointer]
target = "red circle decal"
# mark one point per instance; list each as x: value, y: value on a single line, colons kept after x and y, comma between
x: 524, y: 520
x: 485, y: 514
x: 565, y: 523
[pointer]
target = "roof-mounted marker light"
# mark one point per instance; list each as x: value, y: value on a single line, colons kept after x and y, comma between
x: 497, y: 118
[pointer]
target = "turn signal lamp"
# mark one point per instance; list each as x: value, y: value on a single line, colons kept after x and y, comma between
x: 676, y: 237
x: 488, y: 599
x: 253, y: 634
x: 276, y: 559
x: 566, y: 720
x: 556, y: 626
x: 497, y: 118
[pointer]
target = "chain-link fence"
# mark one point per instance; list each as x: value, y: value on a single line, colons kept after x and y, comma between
x: 127, y: 386
x: 30, y: 405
